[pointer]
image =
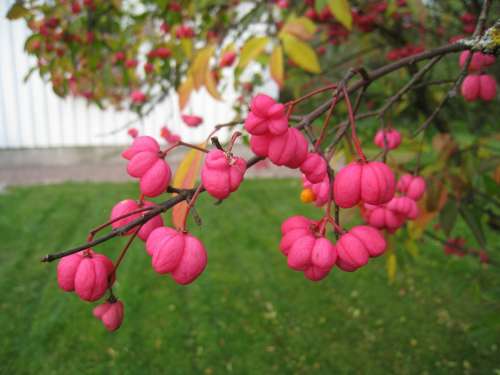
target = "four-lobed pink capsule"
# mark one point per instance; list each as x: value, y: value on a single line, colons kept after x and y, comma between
x: 222, y: 173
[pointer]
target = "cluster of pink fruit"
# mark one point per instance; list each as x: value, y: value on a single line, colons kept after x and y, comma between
x: 478, y: 85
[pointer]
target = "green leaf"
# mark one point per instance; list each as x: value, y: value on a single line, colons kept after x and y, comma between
x: 251, y: 49
x: 448, y: 216
x: 301, y: 53
x: 472, y: 218
x: 342, y: 12
x: 17, y: 11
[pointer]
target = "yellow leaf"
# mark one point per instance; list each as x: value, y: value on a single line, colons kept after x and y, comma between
x: 391, y: 267
x: 211, y: 85
x: 276, y: 65
x: 251, y: 49
x: 342, y: 12
x: 200, y: 66
x: 301, y: 27
x: 184, y: 91
x: 185, y: 178
x: 301, y: 53
x: 229, y: 48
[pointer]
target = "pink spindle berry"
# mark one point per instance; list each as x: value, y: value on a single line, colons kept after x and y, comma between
x: 470, y: 88
x: 266, y: 116
x: 222, y: 174
x: 320, y: 190
x: 259, y: 144
x: 146, y: 163
x: 381, y: 217
x: 289, y: 149
x: 306, y: 250
x: 110, y: 313
x: 404, y: 206
x: 179, y: 254
x: 129, y: 205
x: 227, y: 59
x: 192, y: 121
x: 371, y: 182
x: 355, y: 247
x: 488, y: 87
x: 87, y: 273
x: 412, y: 186
x: 314, y: 167
x: 392, y: 139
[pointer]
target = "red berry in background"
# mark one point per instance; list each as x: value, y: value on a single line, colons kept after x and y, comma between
x: 314, y: 167
x: 192, y: 121
x: 133, y: 132
x: 148, y: 68
x: 411, y: 186
x: 478, y: 61
x: 355, y: 247
x: 454, y: 246
x: 131, y: 64
x: 110, y: 313
x: 488, y: 87
x: 165, y: 27
x: 470, y: 87
x: 174, y: 6
x: 227, y: 59
x: 181, y: 255
x: 371, y: 182
x: 266, y: 116
x: 283, y: 4
x: 128, y: 205
x: 76, y: 7
x: 222, y: 174
x: 311, y: 13
x: 389, y: 138
x: 137, y: 97
x: 87, y: 273
x: 162, y: 52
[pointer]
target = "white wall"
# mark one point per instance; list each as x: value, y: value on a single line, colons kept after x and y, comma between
x: 31, y: 115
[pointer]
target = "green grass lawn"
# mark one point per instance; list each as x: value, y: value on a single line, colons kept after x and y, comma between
x: 248, y: 313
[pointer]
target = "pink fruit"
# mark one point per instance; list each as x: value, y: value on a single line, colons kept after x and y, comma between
x: 288, y: 149
x: 266, y: 116
x: 129, y: 205
x: 227, y: 59
x: 154, y: 172
x: 179, y: 254
x: 259, y: 144
x: 371, y: 182
x: 140, y: 144
x: 314, y: 167
x: 320, y: 190
x: 392, y: 139
x: 192, y: 121
x: 358, y: 245
x: 412, y: 186
x: 381, y: 217
x: 471, y: 87
x: 403, y: 206
x: 306, y: 250
x: 111, y: 314
x: 222, y: 174
x: 87, y: 273
x: 488, y: 87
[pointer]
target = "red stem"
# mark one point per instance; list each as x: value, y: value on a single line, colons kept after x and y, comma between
x: 192, y: 201
x: 355, y: 138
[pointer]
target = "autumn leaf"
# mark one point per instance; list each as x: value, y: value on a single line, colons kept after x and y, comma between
x: 251, y: 49
x: 200, y: 66
x: 185, y: 178
x: 184, y: 91
x: 342, y: 12
x: 300, y: 53
x: 301, y: 27
x: 17, y: 11
x: 211, y: 85
x: 392, y: 266
x: 276, y: 65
